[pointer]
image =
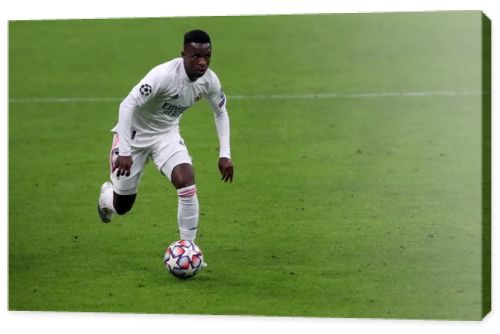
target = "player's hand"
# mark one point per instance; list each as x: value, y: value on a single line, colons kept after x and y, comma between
x: 226, y: 169
x: 122, y: 165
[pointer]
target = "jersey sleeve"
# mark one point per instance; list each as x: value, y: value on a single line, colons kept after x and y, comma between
x: 148, y: 88
x: 217, y: 100
x: 216, y: 97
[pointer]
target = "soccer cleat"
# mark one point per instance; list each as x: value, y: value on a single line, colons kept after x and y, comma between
x: 104, y: 213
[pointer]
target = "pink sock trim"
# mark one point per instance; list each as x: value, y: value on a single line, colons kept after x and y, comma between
x: 187, y: 191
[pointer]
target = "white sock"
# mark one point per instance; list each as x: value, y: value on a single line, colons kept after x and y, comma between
x: 106, y: 199
x: 188, y: 212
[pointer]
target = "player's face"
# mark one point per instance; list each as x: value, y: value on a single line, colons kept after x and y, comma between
x: 196, y: 59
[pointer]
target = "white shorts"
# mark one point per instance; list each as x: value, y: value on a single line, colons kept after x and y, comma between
x: 166, y: 152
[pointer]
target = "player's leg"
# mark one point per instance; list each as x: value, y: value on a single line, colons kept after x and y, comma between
x: 172, y: 159
x: 179, y: 169
x: 182, y: 177
x: 111, y: 203
x: 119, y: 196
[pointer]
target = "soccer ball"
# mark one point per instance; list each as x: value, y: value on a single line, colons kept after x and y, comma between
x: 183, y: 259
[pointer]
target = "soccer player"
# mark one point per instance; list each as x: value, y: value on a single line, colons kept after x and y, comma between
x: 148, y: 129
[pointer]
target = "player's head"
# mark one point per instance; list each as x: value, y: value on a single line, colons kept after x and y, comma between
x: 196, y: 53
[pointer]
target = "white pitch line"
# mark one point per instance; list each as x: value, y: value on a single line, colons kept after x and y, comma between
x: 351, y: 95
x: 63, y: 99
x: 331, y: 95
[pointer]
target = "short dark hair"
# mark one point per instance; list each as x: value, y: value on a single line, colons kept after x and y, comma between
x: 196, y: 36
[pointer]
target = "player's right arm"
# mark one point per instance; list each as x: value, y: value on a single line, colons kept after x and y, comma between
x: 123, y: 163
x: 139, y: 96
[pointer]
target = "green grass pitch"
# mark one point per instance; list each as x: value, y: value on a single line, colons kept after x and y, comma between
x: 367, y: 203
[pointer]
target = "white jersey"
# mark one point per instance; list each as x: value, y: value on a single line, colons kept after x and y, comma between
x: 155, y: 105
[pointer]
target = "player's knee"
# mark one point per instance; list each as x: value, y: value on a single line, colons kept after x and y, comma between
x: 123, y: 203
x: 183, y: 176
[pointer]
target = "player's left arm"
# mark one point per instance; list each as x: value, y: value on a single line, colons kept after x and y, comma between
x: 217, y: 100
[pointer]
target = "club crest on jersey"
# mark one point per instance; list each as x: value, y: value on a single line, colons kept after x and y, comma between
x: 145, y: 89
